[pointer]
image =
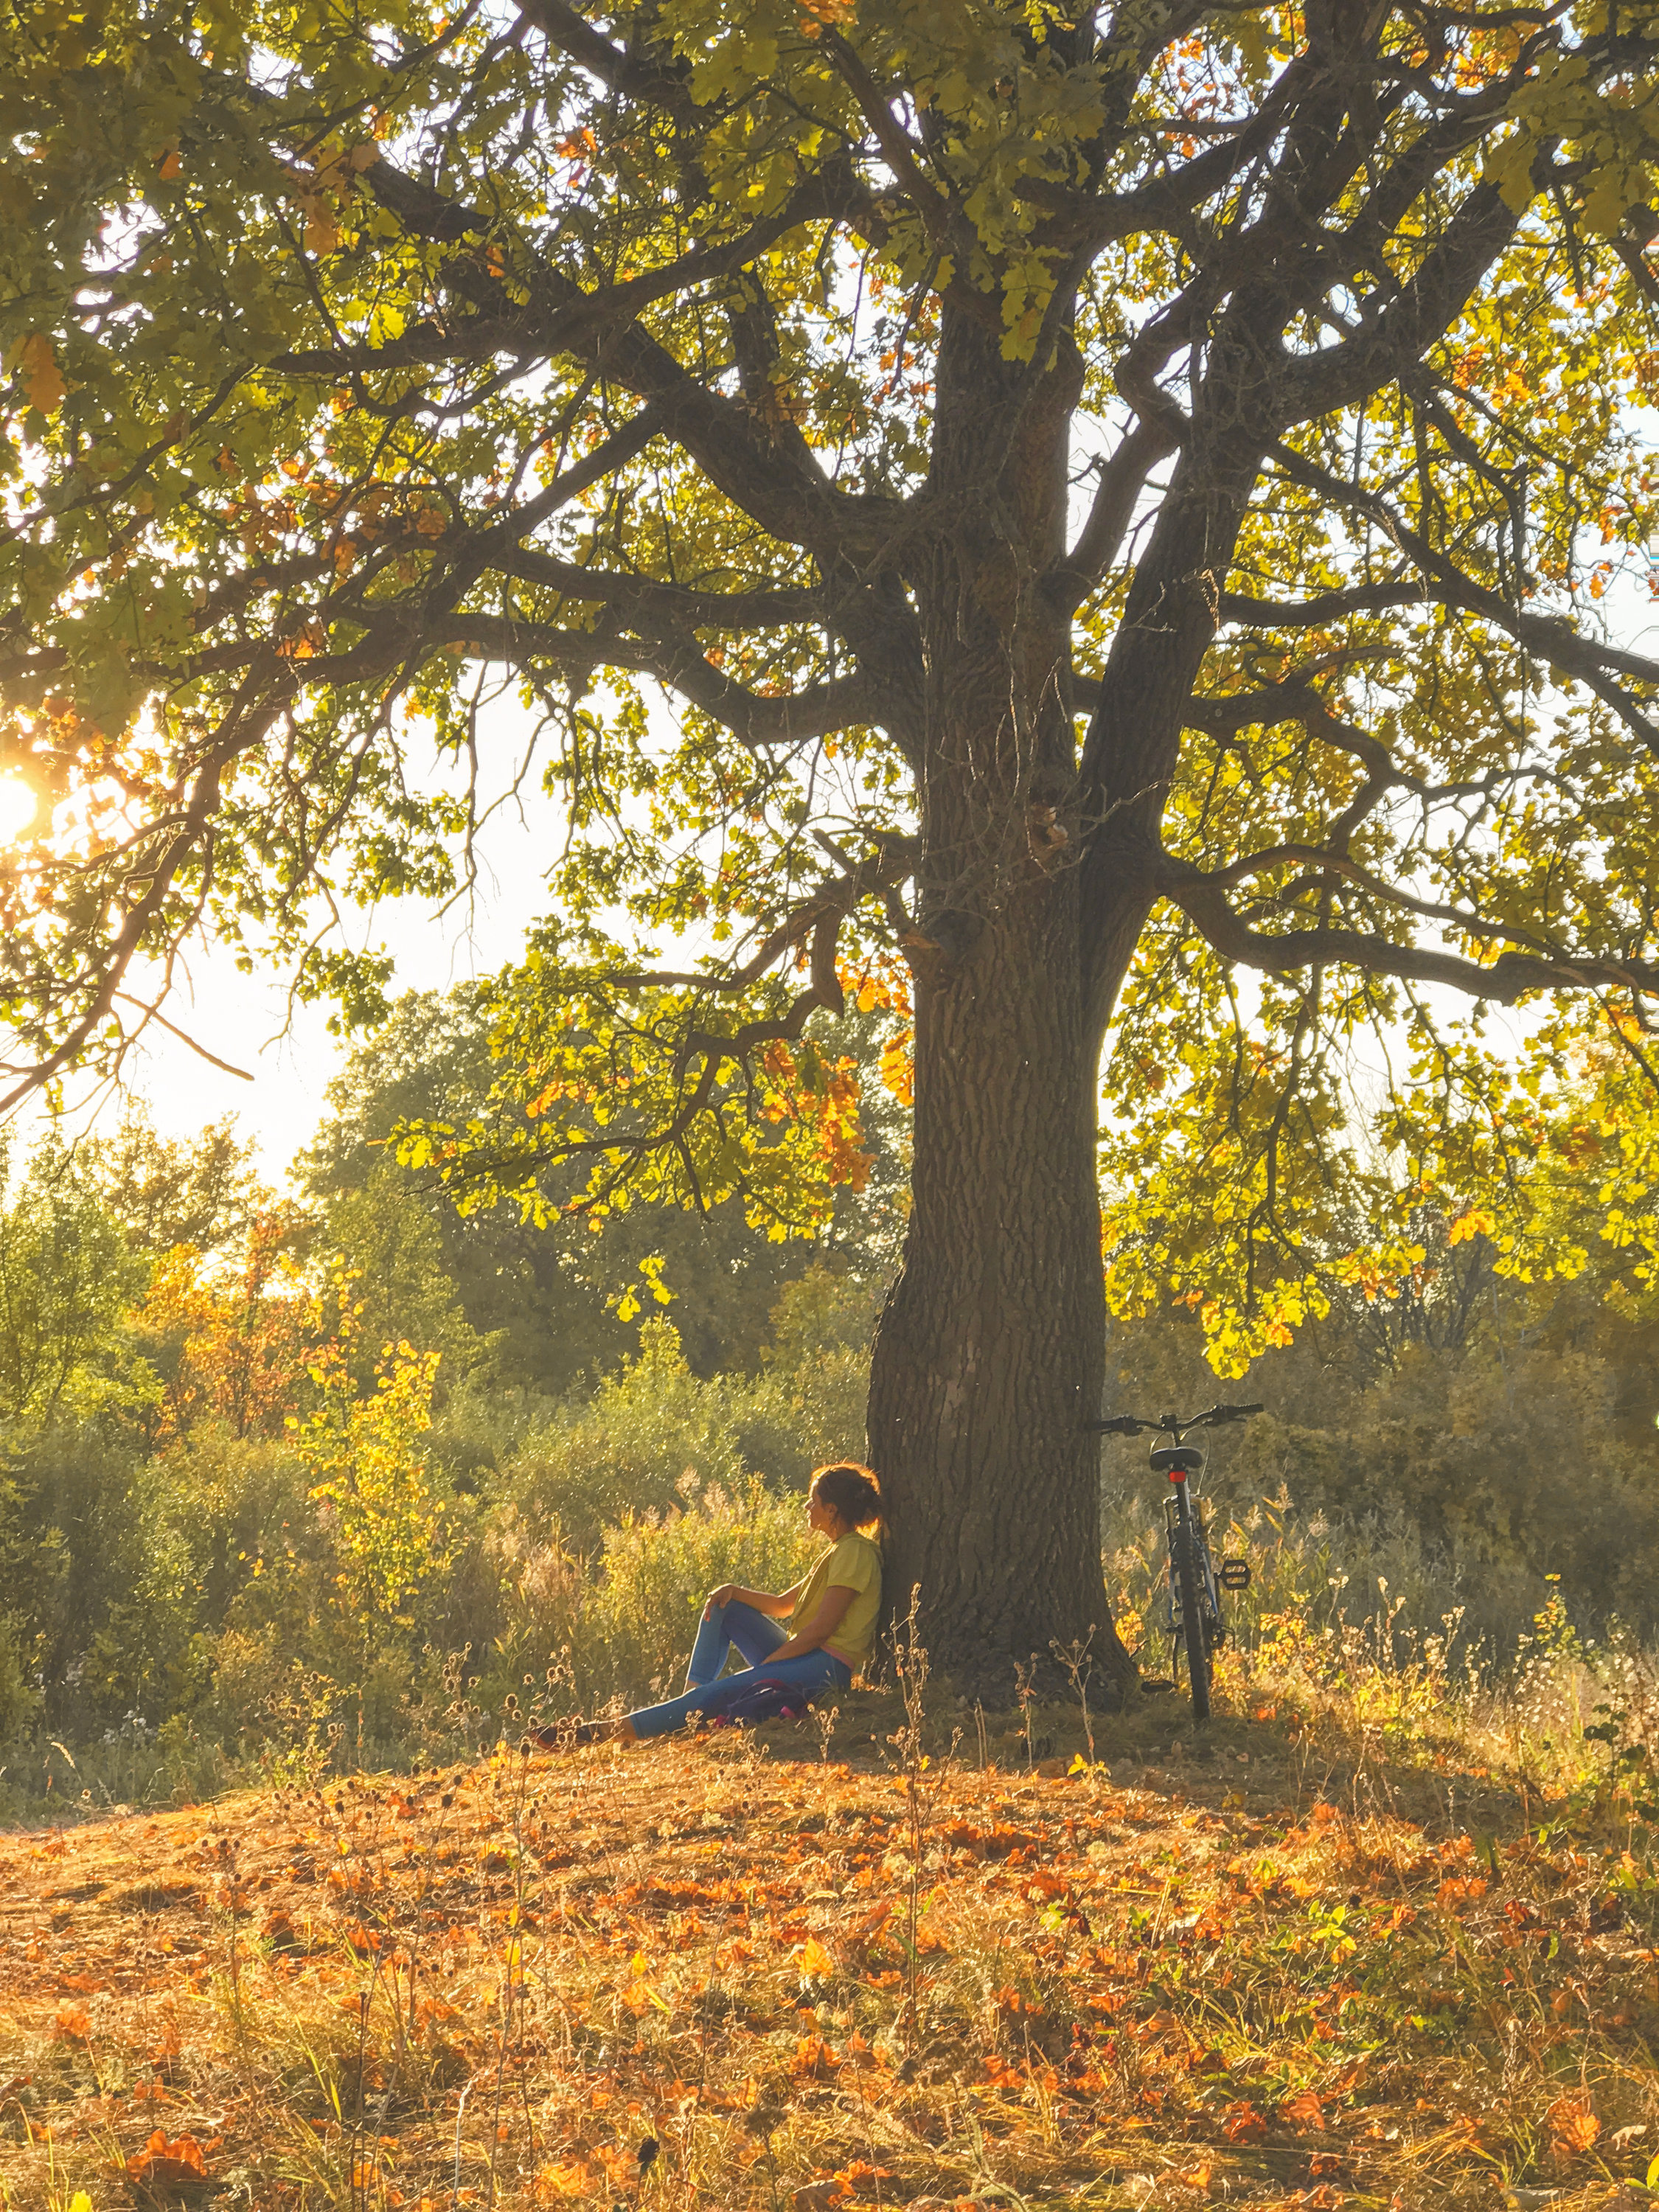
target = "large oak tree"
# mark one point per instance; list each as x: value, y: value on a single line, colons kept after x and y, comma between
x: 1107, y: 497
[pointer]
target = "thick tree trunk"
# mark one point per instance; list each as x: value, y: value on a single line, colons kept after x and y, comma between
x: 988, y: 1358
x: 989, y: 1355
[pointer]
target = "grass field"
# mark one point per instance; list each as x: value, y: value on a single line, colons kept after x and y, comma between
x: 1249, y: 1968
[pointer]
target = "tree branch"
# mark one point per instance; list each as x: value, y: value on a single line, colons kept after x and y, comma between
x: 787, y: 493
x: 665, y: 603
x: 1223, y: 714
x: 1332, y: 861
x: 817, y: 919
x: 757, y: 721
x: 1566, y: 650
x: 1121, y: 481
x: 1422, y: 311
x: 1203, y: 899
x: 893, y: 860
x: 262, y: 699
x: 625, y: 74
x: 1326, y: 607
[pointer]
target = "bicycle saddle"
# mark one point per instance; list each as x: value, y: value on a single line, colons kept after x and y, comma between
x: 1184, y: 1459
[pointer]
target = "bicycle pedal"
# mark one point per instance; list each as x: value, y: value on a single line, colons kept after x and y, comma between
x: 1234, y: 1574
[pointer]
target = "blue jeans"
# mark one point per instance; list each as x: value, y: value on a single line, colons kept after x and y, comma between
x: 754, y: 1636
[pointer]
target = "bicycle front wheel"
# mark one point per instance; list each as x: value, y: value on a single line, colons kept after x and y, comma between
x: 1189, y: 1586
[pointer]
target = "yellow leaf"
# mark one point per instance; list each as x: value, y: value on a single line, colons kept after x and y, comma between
x: 43, y: 386
x: 816, y: 1963
x: 1475, y: 1223
x: 572, y: 2180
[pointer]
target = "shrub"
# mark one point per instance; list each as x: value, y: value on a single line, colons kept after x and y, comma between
x: 1467, y: 1484
x: 639, y: 1624
x: 629, y: 1447
x: 621, y: 1629
x: 790, y: 1419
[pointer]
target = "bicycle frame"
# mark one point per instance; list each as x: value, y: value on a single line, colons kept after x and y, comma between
x: 1182, y: 1514
x: 1196, y: 1622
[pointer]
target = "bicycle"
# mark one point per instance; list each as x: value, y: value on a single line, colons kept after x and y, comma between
x: 1196, y: 1623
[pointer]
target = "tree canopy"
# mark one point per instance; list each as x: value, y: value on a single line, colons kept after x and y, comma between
x: 359, y: 361
x: 1020, y: 514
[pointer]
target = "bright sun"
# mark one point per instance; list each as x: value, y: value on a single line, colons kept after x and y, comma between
x: 17, y: 807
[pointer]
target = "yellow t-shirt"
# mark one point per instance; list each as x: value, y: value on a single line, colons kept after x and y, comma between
x: 853, y: 1563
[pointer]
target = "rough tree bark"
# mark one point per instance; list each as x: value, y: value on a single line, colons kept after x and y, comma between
x: 989, y: 1355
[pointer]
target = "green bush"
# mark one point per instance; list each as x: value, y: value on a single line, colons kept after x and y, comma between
x: 1469, y: 1484
x: 638, y: 1624
x: 629, y: 1447
x: 619, y: 1628
x: 99, y: 1603
x: 20, y: 1700
x: 789, y: 1420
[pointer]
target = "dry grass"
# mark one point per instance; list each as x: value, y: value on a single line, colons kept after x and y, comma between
x: 1249, y: 1969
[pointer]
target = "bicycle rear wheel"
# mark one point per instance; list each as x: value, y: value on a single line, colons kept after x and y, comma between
x: 1189, y: 1585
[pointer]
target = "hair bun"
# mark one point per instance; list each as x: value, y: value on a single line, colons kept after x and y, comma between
x: 851, y: 1491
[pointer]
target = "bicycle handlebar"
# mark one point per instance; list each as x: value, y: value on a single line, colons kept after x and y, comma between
x: 1129, y: 1425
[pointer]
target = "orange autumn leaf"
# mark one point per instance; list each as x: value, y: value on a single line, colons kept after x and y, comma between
x: 1456, y: 1892
x: 555, y: 2184
x: 1302, y: 2112
x: 814, y: 2059
x: 1573, y: 2126
x: 817, y: 16
x: 43, y: 384
x: 163, y: 2163
x: 816, y: 1963
x: 73, y: 2024
x: 863, y: 2178
x: 821, y: 2196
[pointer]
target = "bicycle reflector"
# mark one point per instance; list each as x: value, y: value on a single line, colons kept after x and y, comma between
x: 1234, y: 1574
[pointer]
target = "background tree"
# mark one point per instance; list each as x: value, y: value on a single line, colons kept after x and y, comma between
x: 228, y: 1347
x: 1106, y: 497
x: 166, y: 1191
x: 66, y: 1280
x: 547, y: 1293
x: 368, y: 1464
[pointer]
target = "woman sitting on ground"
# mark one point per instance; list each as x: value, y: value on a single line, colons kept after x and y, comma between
x: 831, y: 1615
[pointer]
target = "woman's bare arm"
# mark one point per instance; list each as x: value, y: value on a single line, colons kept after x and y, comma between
x: 775, y: 1603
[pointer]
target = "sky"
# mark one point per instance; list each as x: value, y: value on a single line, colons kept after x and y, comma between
x: 288, y: 1051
